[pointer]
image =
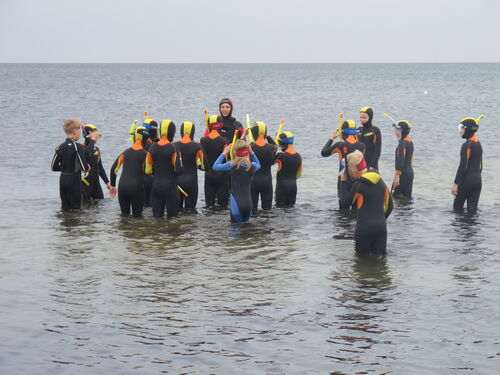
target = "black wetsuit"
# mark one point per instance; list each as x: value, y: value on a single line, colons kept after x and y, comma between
x: 216, y: 183
x: 374, y: 203
x: 188, y: 180
x: 70, y: 163
x: 289, y: 170
x: 343, y: 148
x: 164, y: 161
x: 372, y: 139
x: 241, y: 180
x: 93, y: 190
x: 263, y: 180
x: 468, y: 177
x: 148, y: 179
x: 131, y: 186
x: 229, y: 127
x: 404, y: 168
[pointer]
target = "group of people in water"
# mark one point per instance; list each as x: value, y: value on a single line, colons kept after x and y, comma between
x: 237, y: 161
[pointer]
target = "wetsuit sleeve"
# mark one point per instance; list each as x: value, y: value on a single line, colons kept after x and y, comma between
x: 400, y: 158
x: 346, y: 196
x: 82, y: 151
x: 115, y: 168
x: 388, y: 205
x: 299, y: 171
x: 239, y: 127
x: 220, y: 166
x: 102, y: 172
x: 327, y: 148
x: 378, y: 146
x: 148, y: 165
x: 463, y: 163
x: 89, y: 148
x: 177, y: 163
x: 56, y: 161
x: 255, y: 161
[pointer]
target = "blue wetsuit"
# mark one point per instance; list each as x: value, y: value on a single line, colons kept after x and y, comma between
x: 240, y: 197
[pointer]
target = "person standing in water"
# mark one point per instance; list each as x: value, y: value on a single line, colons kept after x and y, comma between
x: 467, y: 185
x: 91, y: 188
x: 403, y: 176
x: 192, y: 156
x: 347, y: 145
x: 264, y: 148
x: 374, y: 203
x: 165, y: 163
x: 241, y: 169
x: 230, y: 124
x: 216, y: 182
x: 370, y: 135
x: 131, y: 186
x: 70, y: 158
x: 289, y: 171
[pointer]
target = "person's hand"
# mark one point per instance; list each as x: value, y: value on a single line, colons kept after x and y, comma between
x: 250, y: 150
x: 335, y: 134
x: 108, y: 185
x: 112, y: 191
x: 227, y: 149
x: 454, y: 190
x: 244, y: 134
x: 395, y: 182
x: 94, y: 135
x: 343, y: 175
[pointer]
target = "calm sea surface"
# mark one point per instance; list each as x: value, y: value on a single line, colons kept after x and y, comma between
x: 92, y: 293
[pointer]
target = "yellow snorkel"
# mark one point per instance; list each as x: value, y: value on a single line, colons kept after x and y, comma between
x: 339, y: 129
x: 132, y: 132
x: 279, y: 130
x: 479, y: 118
x: 231, y: 152
x: 182, y: 191
x: 250, y: 135
x: 205, y: 114
x: 390, y: 118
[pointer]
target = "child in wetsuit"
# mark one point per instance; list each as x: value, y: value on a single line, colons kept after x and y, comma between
x: 242, y: 169
x: 131, y: 186
x: 402, y: 184
x: 91, y: 188
x: 374, y: 203
x: 70, y: 158
x: 370, y: 135
x: 264, y: 148
x: 467, y: 185
x: 289, y: 170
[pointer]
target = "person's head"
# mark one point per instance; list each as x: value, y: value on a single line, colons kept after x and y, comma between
x: 152, y: 128
x: 140, y: 134
x: 167, y: 129
x: 401, y: 129
x: 241, y: 154
x: 215, y: 122
x: 226, y: 107
x: 72, y: 128
x: 356, y: 164
x: 187, y: 129
x: 89, y: 129
x: 366, y: 116
x: 348, y: 128
x: 468, y: 127
x: 259, y: 130
x: 285, y: 140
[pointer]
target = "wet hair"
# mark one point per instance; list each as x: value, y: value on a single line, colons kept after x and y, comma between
x: 238, y: 160
x: 353, y: 159
x: 71, y: 124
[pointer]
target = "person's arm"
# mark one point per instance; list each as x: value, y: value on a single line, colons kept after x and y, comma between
x: 102, y: 172
x: 378, y: 146
x: 399, y: 162
x: 462, y: 168
x: 347, y: 197
x: 148, y: 165
x: 220, y: 166
x: 329, y: 148
x: 177, y: 162
x: 255, y: 161
x: 239, y: 127
x: 388, y: 204
x: 89, y: 148
x: 299, y: 171
x: 55, y: 165
x: 115, y: 168
x: 270, y: 140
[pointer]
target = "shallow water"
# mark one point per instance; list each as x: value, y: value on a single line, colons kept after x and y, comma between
x: 91, y: 292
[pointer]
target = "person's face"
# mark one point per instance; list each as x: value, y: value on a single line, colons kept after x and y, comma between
x: 363, y: 117
x: 354, y: 173
x: 225, y: 109
x: 397, y: 133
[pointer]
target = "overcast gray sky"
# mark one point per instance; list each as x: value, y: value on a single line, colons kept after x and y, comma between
x: 249, y: 31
